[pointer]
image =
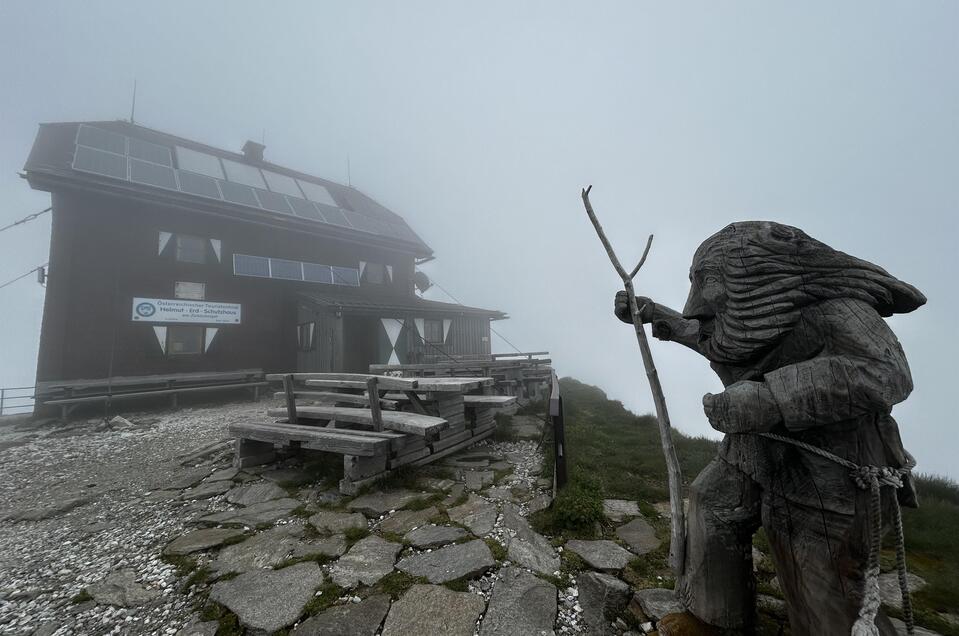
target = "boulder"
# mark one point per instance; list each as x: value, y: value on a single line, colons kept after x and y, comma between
x: 368, y: 561
x: 337, y: 522
x: 433, y: 610
x: 353, y: 619
x: 269, y: 600
x: 120, y: 589
x: 259, y: 492
x: 434, y: 536
x: 201, y: 540
x: 452, y: 562
x: 603, y: 555
x: 521, y: 604
x: 639, y: 536
x: 477, y: 514
x: 403, y: 521
x: 603, y: 598
x: 379, y: 503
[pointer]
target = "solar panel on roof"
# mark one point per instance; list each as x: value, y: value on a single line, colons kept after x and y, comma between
x: 150, y: 152
x: 244, y: 265
x: 282, y: 183
x: 242, y: 173
x: 380, y: 226
x: 288, y: 270
x: 333, y: 215
x: 316, y: 192
x: 236, y: 193
x: 346, y: 276
x: 152, y: 174
x: 193, y: 183
x: 314, y: 273
x: 360, y: 221
x: 273, y: 201
x: 198, y: 162
x: 305, y: 209
x: 102, y: 139
x: 403, y: 232
x: 100, y: 162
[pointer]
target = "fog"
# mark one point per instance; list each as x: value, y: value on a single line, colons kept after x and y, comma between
x: 480, y: 123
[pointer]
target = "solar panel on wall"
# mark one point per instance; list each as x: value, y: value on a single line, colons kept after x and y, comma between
x: 152, y: 174
x: 305, y: 209
x: 150, y: 152
x: 315, y: 273
x: 102, y: 139
x: 192, y: 183
x: 333, y: 215
x: 244, y: 265
x: 273, y: 201
x: 100, y: 162
x: 346, y: 276
x: 236, y: 193
x: 289, y: 270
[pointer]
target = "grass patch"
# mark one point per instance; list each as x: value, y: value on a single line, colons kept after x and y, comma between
x: 497, y: 548
x: 199, y: 576
x: 227, y: 622
x: 396, y: 583
x: 81, y: 597
x: 353, y: 535
x: 422, y: 503
x: 302, y: 511
x: 395, y: 537
x: 576, y: 511
x: 329, y: 592
x: 183, y: 564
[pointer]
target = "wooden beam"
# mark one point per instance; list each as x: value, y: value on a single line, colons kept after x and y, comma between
x: 290, y: 399
x: 374, y: 398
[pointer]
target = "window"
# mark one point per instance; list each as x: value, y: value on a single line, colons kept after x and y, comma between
x: 304, y: 336
x: 190, y: 249
x: 189, y: 291
x: 433, y: 331
x: 374, y: 273
x: 183, y: 340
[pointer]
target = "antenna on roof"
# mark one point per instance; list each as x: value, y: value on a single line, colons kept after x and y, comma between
x: 133, y: 108
x: 263, y: 137
x: 349, y: 176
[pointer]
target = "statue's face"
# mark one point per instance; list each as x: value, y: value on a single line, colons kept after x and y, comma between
x: 707, y: 297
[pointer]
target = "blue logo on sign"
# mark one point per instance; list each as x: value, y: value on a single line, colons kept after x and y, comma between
x: 146, y: 309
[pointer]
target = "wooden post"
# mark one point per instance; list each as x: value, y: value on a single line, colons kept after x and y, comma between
x: 559, y: 434
x: 290, y: 398
x: 416, y: 403
x: 374, y: 395
x: 677, y: 544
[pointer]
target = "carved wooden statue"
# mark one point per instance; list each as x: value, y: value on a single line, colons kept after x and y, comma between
x: 795, y: 331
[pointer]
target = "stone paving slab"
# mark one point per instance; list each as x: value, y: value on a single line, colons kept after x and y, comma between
x: 452, y: 562
x: 254, y: 596
x: 521, y: 604
x: 477, y: 479
x: 658, y: 602
x: 602, y: 597
x: 353, y: 619
x: 272, y: 547
x: 603, y: 555
x: 620, y: 509
x: 434, y: 536
x: 380, y: 503
x: 639, y: 536
x: 433, y: 610
x: 266, y: 512
x: 255, y: 493
x: 477, y: 514
x: 206, y: 490
x: 337, y: 522
x: 537, y: 555
x: 402, y: 521
x: 201, y: 540
x: 120, y: 589
x: 368, y: 561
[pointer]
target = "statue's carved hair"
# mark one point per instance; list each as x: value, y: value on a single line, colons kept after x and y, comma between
x: 771, y: 271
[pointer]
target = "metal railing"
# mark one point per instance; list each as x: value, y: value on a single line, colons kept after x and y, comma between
x: 17, y: 400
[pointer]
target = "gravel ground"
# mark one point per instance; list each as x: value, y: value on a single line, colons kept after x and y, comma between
x: 121, y: 522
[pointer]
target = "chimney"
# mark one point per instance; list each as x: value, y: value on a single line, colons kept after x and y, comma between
x: 253, y: 152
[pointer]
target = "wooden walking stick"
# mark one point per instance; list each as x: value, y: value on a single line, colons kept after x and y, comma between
x: 677, y: 543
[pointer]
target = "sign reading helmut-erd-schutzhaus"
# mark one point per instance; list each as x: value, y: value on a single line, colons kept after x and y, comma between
x: 195, y: 311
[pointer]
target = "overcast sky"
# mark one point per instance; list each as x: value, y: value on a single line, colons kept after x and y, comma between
x: 480, y: 122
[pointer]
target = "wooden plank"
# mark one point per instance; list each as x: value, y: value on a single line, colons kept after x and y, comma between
x: 446, y: 442
x: 349, y: 380
x: 409, y: 458
x: 374, y: 394
x: 452, y: 449
x: 330, y: 396
x: 489, y: 400
x: 140, y: 394
x: 311, y: 437
x: 135, y: 380
x: 413, y: 423
x: 290, y: 399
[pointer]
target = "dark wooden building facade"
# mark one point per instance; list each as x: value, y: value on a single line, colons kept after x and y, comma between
x: 169, y: 256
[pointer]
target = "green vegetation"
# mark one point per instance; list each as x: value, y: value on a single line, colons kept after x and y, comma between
x: 183, y: 564
x: 229, y: 624
x: 499, y: 552
x: 353, y: 535
x: 329, y: 593
x: 396, y: 583
x: 617, y: 454
x: 459, y: 585
x: 422, y: 503
x: 81, y: 597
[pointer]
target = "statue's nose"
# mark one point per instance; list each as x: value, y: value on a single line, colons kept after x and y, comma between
x: 696, y: 307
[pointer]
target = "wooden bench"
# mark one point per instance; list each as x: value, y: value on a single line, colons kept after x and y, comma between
x: 337, y: 398
x: 69, y: 394
x: 481, y: 409
x: 411, y: 423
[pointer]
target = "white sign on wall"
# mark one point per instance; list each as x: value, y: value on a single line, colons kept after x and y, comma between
x: 192, y: 311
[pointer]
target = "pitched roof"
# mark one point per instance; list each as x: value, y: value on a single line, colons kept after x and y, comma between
x: 359, y: 301
x: 125, y: 158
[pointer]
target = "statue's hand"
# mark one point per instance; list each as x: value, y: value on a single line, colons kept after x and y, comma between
x: 621, y: 308
x: 744, y: 407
